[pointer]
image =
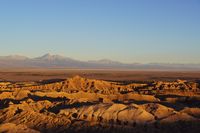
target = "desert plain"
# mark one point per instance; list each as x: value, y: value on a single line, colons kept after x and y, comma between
x: 87, y: 101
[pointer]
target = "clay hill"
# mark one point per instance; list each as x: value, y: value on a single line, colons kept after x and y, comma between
x: 87, y: 105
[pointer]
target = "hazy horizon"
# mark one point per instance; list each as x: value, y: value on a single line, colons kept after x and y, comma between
x: 101, y: 59
x: 125, y: 31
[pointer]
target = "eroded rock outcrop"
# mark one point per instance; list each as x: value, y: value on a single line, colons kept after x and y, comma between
x: 87, y: 105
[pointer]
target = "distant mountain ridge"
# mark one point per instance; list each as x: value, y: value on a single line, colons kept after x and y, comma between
x: 52, y: 57
x: 13, y: 57
x: 58, y: 61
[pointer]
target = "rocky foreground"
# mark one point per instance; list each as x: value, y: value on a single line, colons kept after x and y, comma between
x: 86, y: 105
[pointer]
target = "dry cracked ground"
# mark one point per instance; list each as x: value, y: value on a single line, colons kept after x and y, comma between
x: 85, y: 105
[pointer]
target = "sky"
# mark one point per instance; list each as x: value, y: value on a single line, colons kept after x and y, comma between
x: 131, y: 31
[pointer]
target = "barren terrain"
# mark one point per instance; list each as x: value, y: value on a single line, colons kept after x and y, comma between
x: 33, y: 74
x: 99, y: 101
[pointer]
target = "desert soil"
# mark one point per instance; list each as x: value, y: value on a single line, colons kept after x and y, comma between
x: 99, y: 101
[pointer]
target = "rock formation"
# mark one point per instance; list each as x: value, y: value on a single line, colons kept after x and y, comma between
x: 86, y: 105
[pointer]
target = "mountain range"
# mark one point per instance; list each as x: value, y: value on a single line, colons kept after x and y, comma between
x: 58, y: 61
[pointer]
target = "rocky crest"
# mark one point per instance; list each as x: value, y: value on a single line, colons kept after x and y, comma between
x: 87, y: 105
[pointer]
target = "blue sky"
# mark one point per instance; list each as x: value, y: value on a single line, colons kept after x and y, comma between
x: 163, y: 31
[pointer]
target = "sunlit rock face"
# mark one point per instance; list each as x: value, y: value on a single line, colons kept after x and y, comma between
x: 87, y: 105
